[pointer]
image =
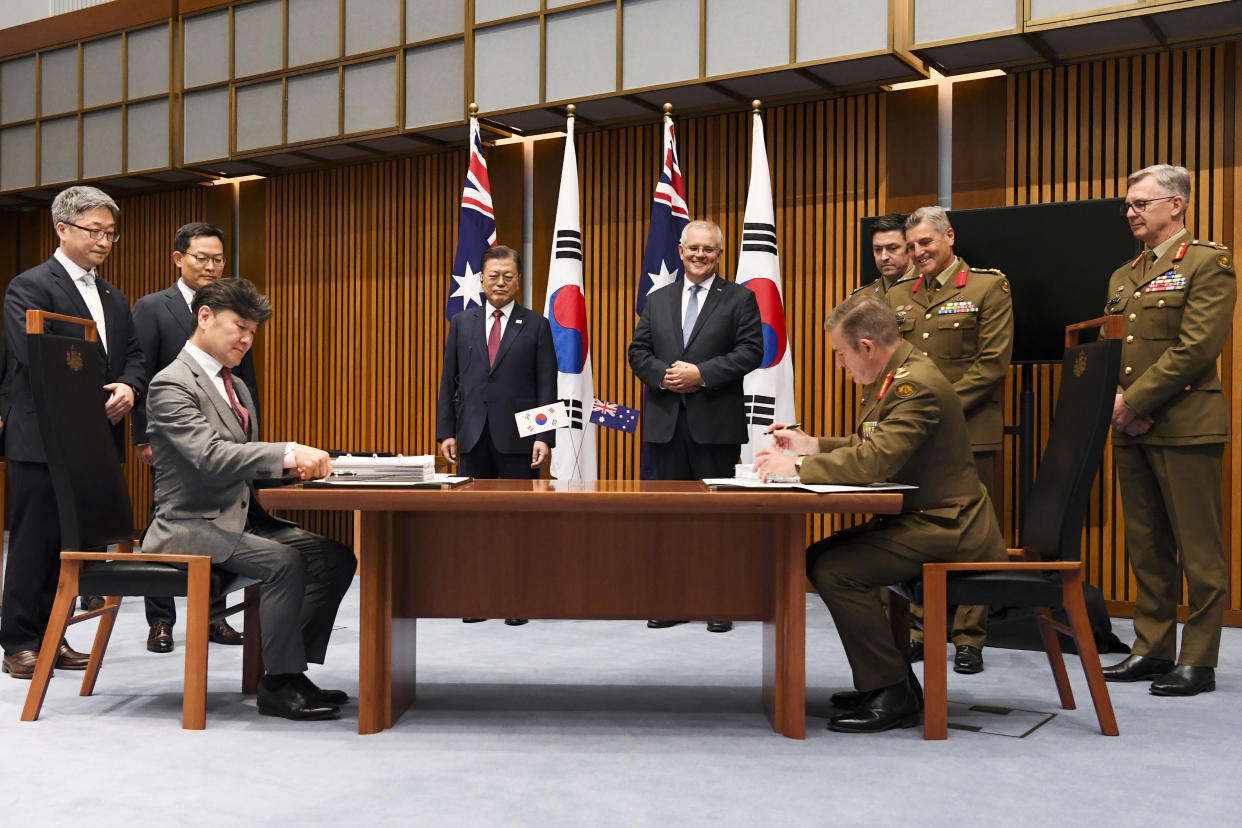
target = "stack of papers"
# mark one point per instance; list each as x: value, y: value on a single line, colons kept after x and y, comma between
x: 737, y: 484
x: 414, y: 468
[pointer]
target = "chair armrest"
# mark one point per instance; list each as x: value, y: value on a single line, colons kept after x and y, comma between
x: 1001, y: 566
x: 155, y: 557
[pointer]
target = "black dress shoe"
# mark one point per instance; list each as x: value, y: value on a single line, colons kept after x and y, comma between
x: 916, y: 651
x: 1184, y: 680
x: 968, y: 660
x: 1137, y: 668
x: 21, y: 664
x: 90, y: 603
x: 663, y: 625
x: 159, y: 639
x: 472, y: 620
x: 848, y: 699
x: 318, y: 694
x: 719, y: 626
x: 289, y: 702
x: 68, y: 658
x: 221, y: 633
x: 515, y: 622
x: 898, y: 705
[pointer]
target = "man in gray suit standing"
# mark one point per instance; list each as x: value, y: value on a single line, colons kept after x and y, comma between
x: 203, y: 434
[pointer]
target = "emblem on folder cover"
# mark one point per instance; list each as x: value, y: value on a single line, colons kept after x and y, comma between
x: 1080, y: 364
x: 73, y: 358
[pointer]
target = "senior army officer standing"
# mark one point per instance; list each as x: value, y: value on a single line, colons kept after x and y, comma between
x: 1170, y: 424
x: 911, y: 430
x: 962, y: 318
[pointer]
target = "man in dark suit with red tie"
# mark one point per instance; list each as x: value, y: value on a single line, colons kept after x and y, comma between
x: 67, y: 283
x: 163, y: 322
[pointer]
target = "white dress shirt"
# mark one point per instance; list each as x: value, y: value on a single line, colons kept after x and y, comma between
x: 84, y: 281
x: 706, y: 284
x: 211, y: 366
x: 490, y: 320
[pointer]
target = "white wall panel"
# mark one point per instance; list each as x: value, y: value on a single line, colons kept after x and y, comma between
x: 17, y: 157
x: 485, y: 10
x: 314, y: 31
x: 425, y: 19
x: 102, y: 72
x: 102, y: 143
x: 506, y: 66
x: 17, y: 89
x: 147, y: 136
x: 831, y: 28
x: 58, y: 81
x: 206, y: 132
x: 206, y: 49
x: 581, y: 53
x: 371, y: 25
x: 936, y: 20
x: 259, y: 114
x: 434, y: 83
x: 147, y: 52
x: 314, y: 106
x: 744, y: 35
x: 58, y: 150
x: 647, y: 29
x: 371, y: 95
x: 258, y: 31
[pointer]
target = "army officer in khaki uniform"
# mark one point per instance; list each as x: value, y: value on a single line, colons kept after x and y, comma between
x: 892, y: 258
x: 911, y: 430
x: 962, y: 318
x: 1170, y: 424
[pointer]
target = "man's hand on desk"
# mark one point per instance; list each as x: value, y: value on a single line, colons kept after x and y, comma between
x: 539, y: 453
x: 795, y: 439
x: 448, y: 448
x: 311, y: 463
x: 771, y: 462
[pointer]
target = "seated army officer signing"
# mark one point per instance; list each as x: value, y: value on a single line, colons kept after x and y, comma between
x: 204, y: 438
x: 911, y: 430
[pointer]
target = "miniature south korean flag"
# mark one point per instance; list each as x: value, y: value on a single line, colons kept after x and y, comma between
x: 544, y: 418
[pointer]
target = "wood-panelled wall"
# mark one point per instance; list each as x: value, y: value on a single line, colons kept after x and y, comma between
x: 357, y: 260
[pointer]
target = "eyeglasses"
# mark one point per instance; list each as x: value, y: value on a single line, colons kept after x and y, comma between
x: 500, y: 277
x: 96, y: 234
x: 203, y: 259
x: 1140, y: 205
x: 695, y: 250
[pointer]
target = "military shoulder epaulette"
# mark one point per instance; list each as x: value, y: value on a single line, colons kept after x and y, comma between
x: 986, y: 270
x: 869, y: 285
x: 1212, y: 244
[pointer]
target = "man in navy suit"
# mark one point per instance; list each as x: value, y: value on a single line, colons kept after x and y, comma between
x: 695, y: 341
x: 499, y: 360
x: 67, y: 283
x: 164, y: 322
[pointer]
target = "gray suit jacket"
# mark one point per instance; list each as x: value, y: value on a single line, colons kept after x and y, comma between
x: 204, y: 464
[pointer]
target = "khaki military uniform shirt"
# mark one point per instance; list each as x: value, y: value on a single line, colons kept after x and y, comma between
x: 911, y: 430
x: 963, y: 321
x: 1178, y: 305
x: 880, y: 287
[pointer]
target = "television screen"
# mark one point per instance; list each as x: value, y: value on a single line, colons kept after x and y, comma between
x: 1058, y: 258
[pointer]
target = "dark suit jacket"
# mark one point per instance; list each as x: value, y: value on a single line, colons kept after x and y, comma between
x: 48, y: 287
x: 163, y: 322
x: 726, y: 344
x: 472, y: 394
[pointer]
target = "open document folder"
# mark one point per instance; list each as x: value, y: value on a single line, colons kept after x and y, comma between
x: 784, y: 484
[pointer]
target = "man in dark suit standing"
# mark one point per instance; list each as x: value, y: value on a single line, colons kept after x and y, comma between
x: 163, y: 322
x: 204, y: 437
x: 499, y: 359
x: 67, y: 283
x: 695, y: 341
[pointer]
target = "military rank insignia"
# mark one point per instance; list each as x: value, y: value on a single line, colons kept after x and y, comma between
x: 868, y: 428
x: 906, y: 389
x: 1171, y: 280
x: 960, y: 306
x: 1005, y: 285
x: 1223, y: 261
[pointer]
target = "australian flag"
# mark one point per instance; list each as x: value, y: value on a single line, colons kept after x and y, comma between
x: 613, y: 415
x: 475, y: 233
x: 669, y: 216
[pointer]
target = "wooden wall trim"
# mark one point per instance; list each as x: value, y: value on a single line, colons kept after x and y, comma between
x: 84, y: 24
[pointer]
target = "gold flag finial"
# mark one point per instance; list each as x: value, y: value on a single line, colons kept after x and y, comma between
x: 570, y: 109
x: 668, y: 110
x: 755, y: 104
x: 473, y: 109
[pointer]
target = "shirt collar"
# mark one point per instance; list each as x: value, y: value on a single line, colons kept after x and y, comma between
x: 186, y: 293
x: 705, y: 284
x: 507, y: 310
x: 943, y: 278
x: 71, y: 267
x: 1164, y: 246
x: 205, y: 360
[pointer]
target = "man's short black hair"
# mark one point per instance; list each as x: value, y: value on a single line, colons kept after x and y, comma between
x: 888, y: 223
x: 195, y: 229
x: 237, y: 295
x: 499, y: 251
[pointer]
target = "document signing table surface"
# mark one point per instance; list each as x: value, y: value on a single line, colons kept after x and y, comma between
x: 605, y: 550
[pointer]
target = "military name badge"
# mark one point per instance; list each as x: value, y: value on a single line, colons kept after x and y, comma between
x: 906, y: 389
x: 868, y: 428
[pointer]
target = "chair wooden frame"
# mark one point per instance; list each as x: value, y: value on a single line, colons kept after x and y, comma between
x: 197, y: 615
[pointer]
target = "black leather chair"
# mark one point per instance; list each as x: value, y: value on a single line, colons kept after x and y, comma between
x: 66, y: 377
x: 1047, y: 572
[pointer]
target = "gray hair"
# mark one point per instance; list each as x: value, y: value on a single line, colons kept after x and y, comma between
x: 864, y: 315
x: 703, y: 224
x: 933, y: 215
x: 1173, y: 180
x: 75, y: 201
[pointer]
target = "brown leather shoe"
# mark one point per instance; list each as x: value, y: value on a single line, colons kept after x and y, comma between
x: 159, y: 639
x: 221, y: 633
x: 68, y: 658
x: 21, y: 664
x: 90, y: 603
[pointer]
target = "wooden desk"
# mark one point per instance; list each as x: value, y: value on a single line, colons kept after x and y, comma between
x: 612, y: 549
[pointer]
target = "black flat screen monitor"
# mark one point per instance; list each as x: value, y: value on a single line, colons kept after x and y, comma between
x: 1058, y: 258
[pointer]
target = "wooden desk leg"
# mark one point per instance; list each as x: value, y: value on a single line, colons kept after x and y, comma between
x: 385, y: 684
x: 784, y: 635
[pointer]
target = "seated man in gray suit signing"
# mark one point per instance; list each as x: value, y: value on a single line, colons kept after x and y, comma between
x: 203, y: 434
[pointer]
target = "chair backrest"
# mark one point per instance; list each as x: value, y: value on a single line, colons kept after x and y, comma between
x: 1057, y: 501
x: 66, y: 380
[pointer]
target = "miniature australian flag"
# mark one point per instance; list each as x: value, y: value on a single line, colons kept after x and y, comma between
x: 613, y: 415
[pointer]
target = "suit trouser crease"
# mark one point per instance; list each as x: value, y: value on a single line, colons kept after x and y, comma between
x: 305, y: 576
x: 33, y: 565
x: 1171, y: 497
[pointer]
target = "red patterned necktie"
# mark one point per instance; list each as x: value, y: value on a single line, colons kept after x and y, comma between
x: 493, y: 337
x: 243, y: 416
